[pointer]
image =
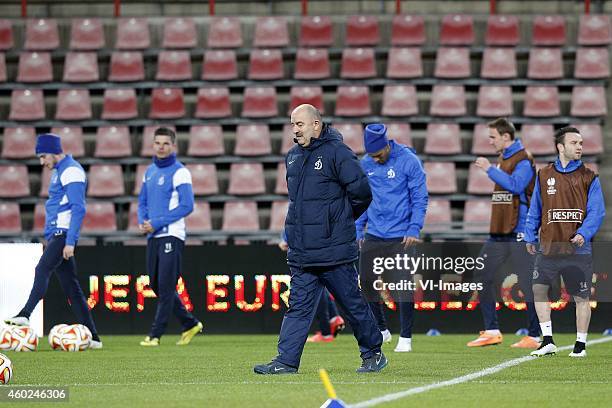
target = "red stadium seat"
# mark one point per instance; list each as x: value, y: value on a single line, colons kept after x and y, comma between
x: 225, y: 32
x: 498, y: 63
x: 477, y: 215
x: 204, y: 178
x: 105, y: 180
x: 281, y: 179
x: 35, y: 67
x: 352, y: 134
x: 199, y: 220
x: 452, y: 62
x: 41, y: 34
x: 400, y: 132
x: 594, y: 29
x: 19, y: 143
x: 457, y: 29
x: 179, y: 32
x: 240, y: 216
x: 205, y: 140
x: 358, y: 63
x: 27, y: 104
x: 113, y: 141
x: 246, y: 179
x: 86, y: 34
x: 2, y: 68
x: 592, y: 63
x: 548, y: 31
x: 442, y: 138
x: 10, y: 218
x: 592, y: 137
x: 140, y: 171
x: 441, y: 177
x: 271, y: 32
x: 589, y: 101
x: 316, y: 31
x: 81, y: 67
x: 407, y: 30
x: 266, y: 65
x: 287, y: 139
x: 133, y: 34
x: 438, y: 216
x: 448, y: 100
x: 278, y: 215
x: 173, y: 66
x: 253, y: 140
x: 45, y: 180
x: 362, y: 31
x: 312, y: 95
x: 100, y: 218
x: 6, y: 34
x: 399, y: 100
x: 259, y: 102
x: 213, y: 102
x: 219, y: 65
x: 353, y: 101
x: 494, y: 100
x: 133, y: 218
x: 146, y: 148
x: 167, y: 103
x: 312, y: 63
x: 39, y: 217
x: 14, y: 181
x: 478, y: 181
x: 502, y: 30
x: 72, y: 139
x: 480, y: 141
x: 545, y: 63
x: 404, y: 63
x: 542, y: 101
x: 538, y: 139
x: 126, y: 66
x: 73, y: 104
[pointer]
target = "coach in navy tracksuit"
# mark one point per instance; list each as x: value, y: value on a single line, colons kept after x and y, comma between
x: 327, y: 192
x: 166, y: 198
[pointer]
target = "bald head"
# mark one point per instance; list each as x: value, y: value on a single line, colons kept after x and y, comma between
x: 306, y: 124
x: 310, y: 111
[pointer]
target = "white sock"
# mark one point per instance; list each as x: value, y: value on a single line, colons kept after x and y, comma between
x: 581, y: 337
x: 493, y: 332
x: 406, y: 339
x: 546, y: 328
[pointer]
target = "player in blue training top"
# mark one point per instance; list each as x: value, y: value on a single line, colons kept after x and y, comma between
x: 166, y: 198
x: 65, y: 210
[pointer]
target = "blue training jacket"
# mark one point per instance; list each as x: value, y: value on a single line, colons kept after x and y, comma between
x: 399, y: 193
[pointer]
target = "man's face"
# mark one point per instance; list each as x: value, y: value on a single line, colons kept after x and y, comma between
x: 498, y: 141
x: 163, y: 146
x: 382, y: 155
x: 48, y: 160
x: 304, y: 127
x: 571, y: 149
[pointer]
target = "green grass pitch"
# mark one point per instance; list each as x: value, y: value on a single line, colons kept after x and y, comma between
x: 217, y: 371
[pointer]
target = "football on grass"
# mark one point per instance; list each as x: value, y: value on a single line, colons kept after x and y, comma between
x: 6, y: 369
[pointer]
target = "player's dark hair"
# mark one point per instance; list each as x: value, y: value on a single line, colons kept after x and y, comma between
x: 560, y: 134
x: 503, y: 125
x: 164, y: 131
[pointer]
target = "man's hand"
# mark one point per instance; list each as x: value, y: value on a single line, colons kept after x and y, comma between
x: 578, y: 240
x: 283, y: 246
x: 146, y: 227
x: 531, y: 248
x: 483, y: 163
x: 410, y: 241
x: 68, y: 252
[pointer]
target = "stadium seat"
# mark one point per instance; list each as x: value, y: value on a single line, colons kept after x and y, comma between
x: 278, y: 215
x: 399, y: 100
x: 112, y: 142
x: 407, y: 30
x: 41, y: 34
x: 400, y: 132
x: 442, y: 138
x: 357, y: 63
x: 100, y: 218
x: 541, y: 101
x: 353, y: 101
x: 362, y: 31
x: 589, y: 101
x: 213, y: 102
x: 10, y: 218
x: 39, y: 217
x: 146, y: 148
x: 312, y: 63
x: 224, y: 32
x: 34, y: 67
x: 287, y: 139
x: 19, y: 143
x: 167, y: 103
x: 448, y: 100
x: 240, y: 216
x: 316, y: 31
x: 271, y: 32
x: 404, y: 63
x: 6, y: 34
x: 27, y: 104
x: 199, y: 220
x: 281, y: 179
x: 219, y: 65
x: 477, y: 215
x: 205, y: 140
x: 266, y: 65
x: 538, y: 139
x: 478, y: 181
x: 105, y: 180
x: 441, y: 177
x: 14, y: 181
x: 498, y: 63
x: 545, y: 63
x: 502, y: 30
x: 45, y: 180
x: 312, y: 95
x: 259, y: 102
x: 592, y: 63
x: 480, y: 141
x: 204, y: 178
x: 452, y: 62
x: 140, y: 171
x: 132, y: 34
x: 594, y: 29
x: 438, y: 216
x: 352, y: 134
x: 548, y: 31
x: 179, y: 32
x: 457, y: 29
x: 73, y: 104
x: 2, y: 67
x: 252, y: 140
x: 86, y: 34
x: 126, y: 66
x: 173, y: 66
x: 72, y: 139
x: 81, y: 67
x: 246, y: 179
x: 592, y: 137
x: 133, y: 218
x: 494, y: 101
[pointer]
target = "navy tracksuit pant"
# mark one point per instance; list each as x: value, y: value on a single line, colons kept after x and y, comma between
x: 306, y: 287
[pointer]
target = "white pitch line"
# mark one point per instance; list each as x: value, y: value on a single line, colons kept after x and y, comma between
x: 458, y: 380
x: 211, y: 383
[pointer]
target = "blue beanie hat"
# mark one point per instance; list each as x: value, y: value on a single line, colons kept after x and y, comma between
x: 375, y: 137
x: 48, y: 143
